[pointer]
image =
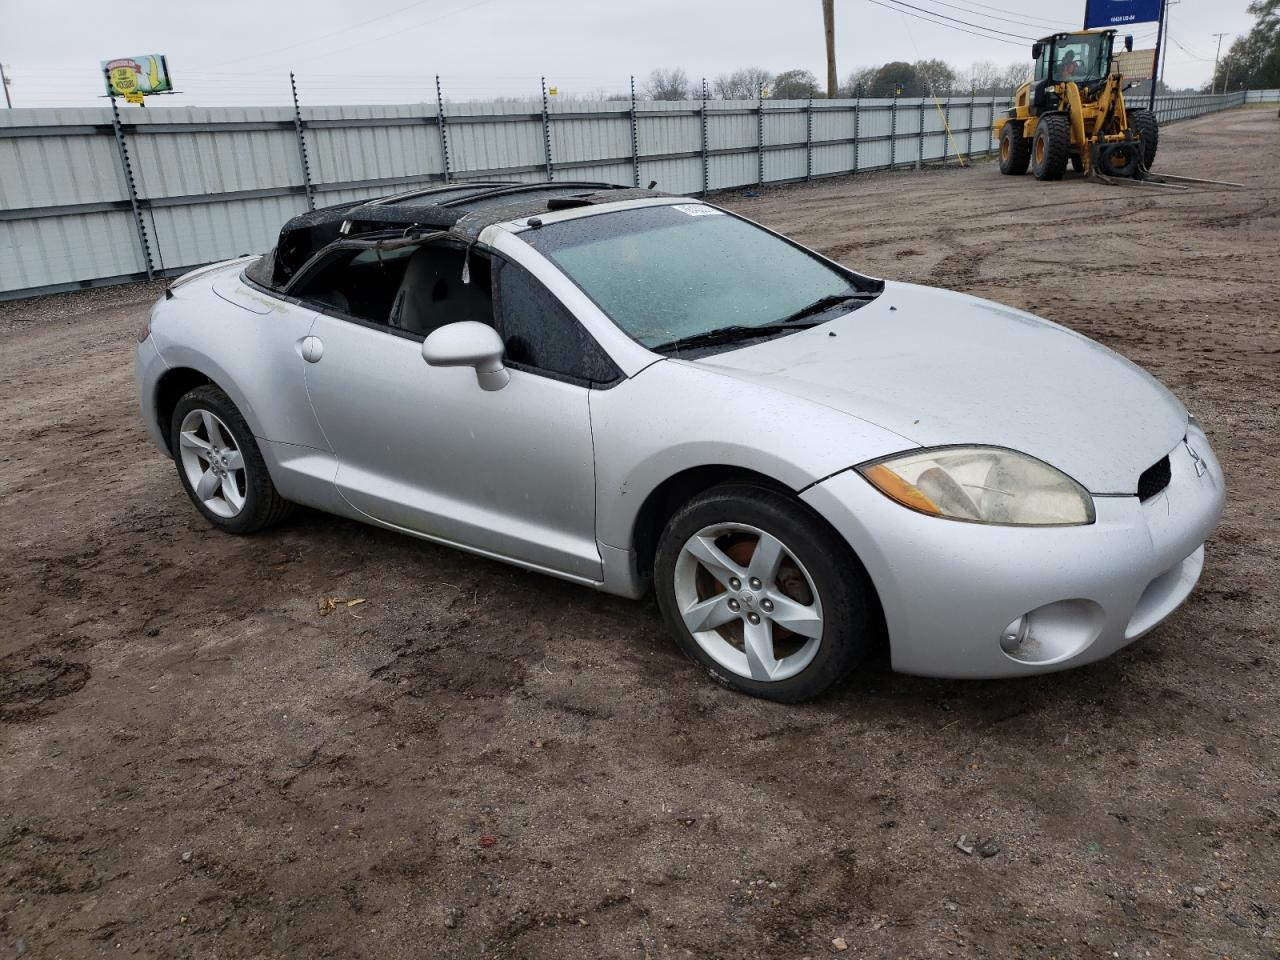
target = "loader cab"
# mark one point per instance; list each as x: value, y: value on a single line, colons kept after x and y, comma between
x: 1073, y: 57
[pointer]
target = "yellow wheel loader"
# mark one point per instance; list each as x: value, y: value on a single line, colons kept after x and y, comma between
x: 1073, y: 111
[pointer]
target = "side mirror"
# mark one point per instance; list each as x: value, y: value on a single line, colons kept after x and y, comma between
x: 1128, y: 42
x: 1036, y: 50
x: 468, y: 344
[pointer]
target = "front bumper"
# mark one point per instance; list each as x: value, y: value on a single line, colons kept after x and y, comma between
x: 957, y: 596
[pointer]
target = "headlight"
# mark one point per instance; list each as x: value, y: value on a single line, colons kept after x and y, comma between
x: 982, y: 485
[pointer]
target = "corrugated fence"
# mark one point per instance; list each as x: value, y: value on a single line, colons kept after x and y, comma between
x: 97, y: 196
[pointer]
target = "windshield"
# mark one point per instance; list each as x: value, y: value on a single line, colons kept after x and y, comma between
x: 1082, y: 57
x: 670, y: 273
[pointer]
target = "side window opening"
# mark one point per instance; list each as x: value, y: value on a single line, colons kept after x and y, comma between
x: 359, y: 283
x: 541, y: 335
x: 413, y: 290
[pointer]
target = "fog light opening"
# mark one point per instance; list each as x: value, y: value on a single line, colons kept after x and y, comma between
x: 1052, y: 633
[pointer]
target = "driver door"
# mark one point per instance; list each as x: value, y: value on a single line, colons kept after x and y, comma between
x: 507, y: 473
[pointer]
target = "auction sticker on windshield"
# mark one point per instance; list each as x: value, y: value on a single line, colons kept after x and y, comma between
x: 699, y: 210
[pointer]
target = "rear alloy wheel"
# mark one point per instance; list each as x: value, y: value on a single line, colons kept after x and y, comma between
x: 1015, y: 150
x: 1050, y: 148
x: 763, y: 596
x: 219, y: 463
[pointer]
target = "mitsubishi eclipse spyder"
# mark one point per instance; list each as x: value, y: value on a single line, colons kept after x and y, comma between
x: 629, y: 390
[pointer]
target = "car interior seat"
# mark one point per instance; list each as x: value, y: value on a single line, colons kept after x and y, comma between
x: 432, y: 293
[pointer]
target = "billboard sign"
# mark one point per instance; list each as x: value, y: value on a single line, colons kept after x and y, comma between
x: 1119, y: 13
x: 134, y: 77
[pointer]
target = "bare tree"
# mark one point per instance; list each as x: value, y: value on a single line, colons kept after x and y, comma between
x: 936, y: 77
x: 667, y: 84
x: 858, y: 83
x: 741, y: 84
x: 794, y: 85
x: 1014, y: 76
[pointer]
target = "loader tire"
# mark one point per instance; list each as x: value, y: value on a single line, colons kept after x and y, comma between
x: 1050, y: 147
x: 1015, y: 150
x: 1145, y: 125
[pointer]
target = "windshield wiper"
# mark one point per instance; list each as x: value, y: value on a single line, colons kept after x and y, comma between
x: 732, y: 334
x: 826, y: 303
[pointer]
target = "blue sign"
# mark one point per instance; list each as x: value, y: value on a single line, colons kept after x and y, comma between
x: 1119, y: 13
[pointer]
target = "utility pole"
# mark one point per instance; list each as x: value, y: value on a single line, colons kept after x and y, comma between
x: 829, y: 21
x: 1213, y: 88
x: 1155, y: 66
x: 4, y: 82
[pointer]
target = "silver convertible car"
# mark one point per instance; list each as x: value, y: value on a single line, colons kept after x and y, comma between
x: 632, y: 390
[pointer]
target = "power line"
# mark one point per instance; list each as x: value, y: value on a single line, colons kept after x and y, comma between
x: 972, y: 33
x: 1021, y: 23
x: 324, y: 36
x: 404, y: 30
x: 977, y: 26
x: 988, y: 6
x: 354, y: 26
x: 1188, y: 52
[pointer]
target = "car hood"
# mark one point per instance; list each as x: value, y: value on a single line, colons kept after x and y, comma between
x: 937, y: 367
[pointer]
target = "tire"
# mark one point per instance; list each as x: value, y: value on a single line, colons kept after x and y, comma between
x: 1015, y: 151
x: 1050, y: 147
x: 254, y: 505
x: 1145, y: 125
x: 1120, y: 159
x: 1077, y: 163
x: 818, y: 585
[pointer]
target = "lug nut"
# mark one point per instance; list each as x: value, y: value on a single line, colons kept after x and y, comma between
x: 766, y: 606
x: 734, y: 605
x: 735, y: 583
x: 755, y: 583
x: 753, y: 618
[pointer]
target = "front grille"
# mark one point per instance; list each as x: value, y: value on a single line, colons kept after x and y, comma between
x: 1154, y: 479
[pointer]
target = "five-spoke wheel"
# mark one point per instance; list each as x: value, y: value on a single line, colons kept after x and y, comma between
x: 748, y: 602
x: 762, y: 594
x: 220, y: 465
x: 213, y: 463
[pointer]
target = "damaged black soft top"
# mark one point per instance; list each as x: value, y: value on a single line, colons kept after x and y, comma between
x: 464, y: 209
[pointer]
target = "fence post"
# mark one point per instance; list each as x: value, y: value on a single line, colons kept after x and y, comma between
x: 920, y: 148
x: 123, y: 148
x: 635, y: 137
x: 546, y: 130
x: 443, y: 128
x: 760, y: 134
x: 969, y: 150
x: 857, y: 130
x: 808, y: 141
x: 302, y: 144
x: 706, y: 169
x: 946, y: 130
x: 893, y: 134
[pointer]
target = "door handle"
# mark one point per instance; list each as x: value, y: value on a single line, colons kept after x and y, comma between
x: 312, y: 349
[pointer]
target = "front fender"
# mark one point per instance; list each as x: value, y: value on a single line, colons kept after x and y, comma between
x: 674, y: 417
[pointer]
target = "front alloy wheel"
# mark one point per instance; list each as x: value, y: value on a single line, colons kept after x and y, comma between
x: 749, y: 604
x: 762, y: 594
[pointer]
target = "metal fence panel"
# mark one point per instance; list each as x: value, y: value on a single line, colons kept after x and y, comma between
x: 212, y: 183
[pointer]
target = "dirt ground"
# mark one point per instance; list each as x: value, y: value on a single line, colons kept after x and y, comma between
x: 480, y: 762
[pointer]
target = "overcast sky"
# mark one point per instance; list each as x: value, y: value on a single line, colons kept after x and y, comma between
x: 241, y: 51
